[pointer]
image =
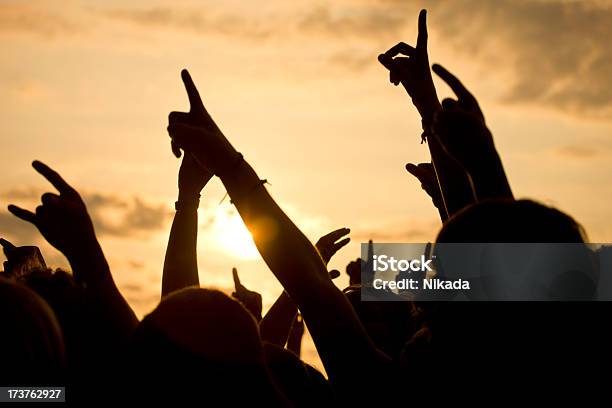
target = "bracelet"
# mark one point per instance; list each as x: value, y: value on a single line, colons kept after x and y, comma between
x: 187, y: 204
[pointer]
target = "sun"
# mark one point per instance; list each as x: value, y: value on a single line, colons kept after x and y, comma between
x: 232, y: 235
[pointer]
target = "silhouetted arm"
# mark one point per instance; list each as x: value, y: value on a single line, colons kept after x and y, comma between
x: 295, y: 262
x: 64, y: 222
x: 460, y: 128
x: 335, y: 328
x: 414, y: 74
x: 276, y: 325
x: 181, y: 262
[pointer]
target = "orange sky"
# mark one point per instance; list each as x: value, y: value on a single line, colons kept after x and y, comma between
x: 296, y: 87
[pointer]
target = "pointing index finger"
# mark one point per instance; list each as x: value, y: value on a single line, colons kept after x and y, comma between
x: 195, y: 102
x: 422, y: 36
x: 453, y: 82
x: 237, y: 283
x: 7, y: 245
x: 53, y: 177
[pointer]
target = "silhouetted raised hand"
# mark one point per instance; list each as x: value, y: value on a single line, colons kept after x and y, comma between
x: 181, y: 261
x: 198, y: 133
x: 354, y: 268
x: 414, y: 74
x: 328, y: 245
x: 250, y: 299
x: 64, y: 222
x: 413, y: 71
x: 335, y: 328
x: 21, y: 261
x: 62, y: 219
x: 460, y: 127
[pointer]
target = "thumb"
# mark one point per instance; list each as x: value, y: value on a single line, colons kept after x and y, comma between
x: 7, y: 245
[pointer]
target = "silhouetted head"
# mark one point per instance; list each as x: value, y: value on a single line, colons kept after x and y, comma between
x: 31, y: 344
x: 504, y: 220
x: 202, y: 338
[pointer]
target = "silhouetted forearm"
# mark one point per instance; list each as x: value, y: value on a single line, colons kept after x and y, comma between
x: 489, y: 178
x: 455, y: 187
x: 276, y: 324
x: 335, y: 328
x: 181, y: 262
x: 115, y: 314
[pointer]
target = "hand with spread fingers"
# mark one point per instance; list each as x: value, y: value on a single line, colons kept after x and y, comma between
x: 250, y: 299
x: 197, y: 133
x: 460, y: 127
x: 331, y: 243
x: 413, y: 72
x: 61, y: 218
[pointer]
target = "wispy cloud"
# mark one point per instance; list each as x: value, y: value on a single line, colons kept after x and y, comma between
x: 36, y: 20
x: 112, y: 215
x: 556, y: 52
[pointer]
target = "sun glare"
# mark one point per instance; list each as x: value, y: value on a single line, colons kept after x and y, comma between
x: 232, y: 235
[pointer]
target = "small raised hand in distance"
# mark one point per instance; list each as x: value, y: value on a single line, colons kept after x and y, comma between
x: 22, y: 260
x: 426, y: 175
x: 413, y: 72
x: 63, y: 221
x: 249, y: 299
x: 331, y: 243
x: 461, y: 130
x: 181, y: 261
x: 354, y: 268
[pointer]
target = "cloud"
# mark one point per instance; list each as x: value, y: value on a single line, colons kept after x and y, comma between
x: 17, y: 231
x: 362, y: 22
x: 18, y: 17
x: 578, y: 152
x: 406, y: 230
x: 195, y: 21
x: 116, y: 216
x: 112, y: 215
x: 556, y: 52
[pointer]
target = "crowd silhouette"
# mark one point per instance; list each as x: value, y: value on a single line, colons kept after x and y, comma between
x: 76, y: 328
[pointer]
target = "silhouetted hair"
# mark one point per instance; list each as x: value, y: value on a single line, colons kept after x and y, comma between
x: 31, y: 342
x: 505, y: 220
x: 204, y: 339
